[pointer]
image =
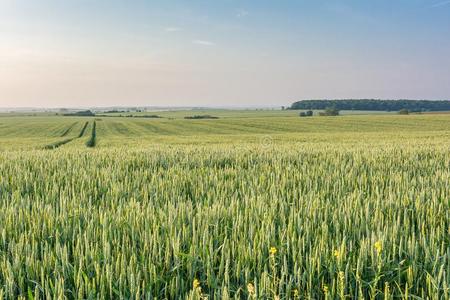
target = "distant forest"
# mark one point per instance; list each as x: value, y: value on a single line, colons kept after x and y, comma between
x: 376, y: 105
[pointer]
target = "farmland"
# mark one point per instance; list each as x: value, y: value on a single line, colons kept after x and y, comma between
x: 253, y: 205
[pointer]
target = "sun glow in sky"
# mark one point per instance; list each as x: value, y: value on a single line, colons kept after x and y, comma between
x: 70, y: 53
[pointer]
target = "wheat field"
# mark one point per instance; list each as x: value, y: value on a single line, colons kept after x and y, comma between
x: 247, y: 206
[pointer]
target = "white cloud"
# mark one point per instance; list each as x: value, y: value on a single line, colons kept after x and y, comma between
x: 203, y: 42
x: 172, y: 29
x: 242, y: 13
x: 442, y: 3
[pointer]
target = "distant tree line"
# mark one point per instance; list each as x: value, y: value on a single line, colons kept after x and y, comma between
x: 375, y: 105
x: 197, y: 117
x: 129, y: 116
x: 84, y: 113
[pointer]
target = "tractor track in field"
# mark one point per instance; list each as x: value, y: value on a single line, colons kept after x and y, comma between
x: 83, y: 130
x: 58, y: 144
x: 66, y: 132
x: 93, y: 139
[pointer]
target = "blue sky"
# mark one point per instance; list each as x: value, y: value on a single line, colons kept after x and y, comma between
x: 221, y: 53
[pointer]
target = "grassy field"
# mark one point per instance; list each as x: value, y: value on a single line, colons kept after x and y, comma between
x: 253, y: 205
x: 244, y: 113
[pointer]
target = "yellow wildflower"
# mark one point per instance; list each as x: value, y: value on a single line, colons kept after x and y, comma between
x: 295, y: 293
x: 325, y: 289
x: 378, y: 246
x: 273, y: 251
x: 196, y: 284
x: 337, y: 254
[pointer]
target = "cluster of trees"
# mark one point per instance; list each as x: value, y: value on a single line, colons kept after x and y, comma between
x: 198, y: 117
x: 329, y: 111
x: 114, y: 111
x: 84, y: 113
x: 375, y: 105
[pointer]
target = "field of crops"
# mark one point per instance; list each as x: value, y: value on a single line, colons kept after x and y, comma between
x: 251, y: 206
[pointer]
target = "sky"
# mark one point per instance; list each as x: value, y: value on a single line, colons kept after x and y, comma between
x: 78, y: 53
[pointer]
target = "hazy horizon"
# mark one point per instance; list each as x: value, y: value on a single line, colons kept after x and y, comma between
x: 143, y: 106
x: 176, y: 107
x: 230, y: 53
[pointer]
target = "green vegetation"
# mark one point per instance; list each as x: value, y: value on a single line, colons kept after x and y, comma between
x: 66, y: 132
x: 146, y: 116
x: 89, y: 143
x: 109, y: 114
x: 238, y: 114
x: 374, y: 105
x: 330, y: 111
x: 199, y: 117
x: 84, y: 113
x: 248, y: 206
x: 308, y: 113
x: 58, y: 144
x: 403, y: 112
